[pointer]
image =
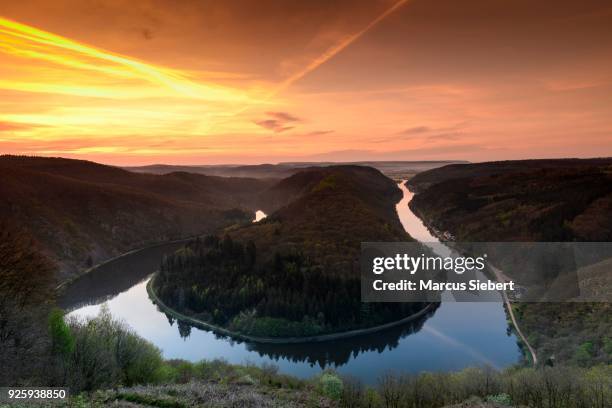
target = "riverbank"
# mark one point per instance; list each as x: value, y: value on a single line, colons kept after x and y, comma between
x: 277, y: 340
x: 443, y: 237
x: 71, y: 280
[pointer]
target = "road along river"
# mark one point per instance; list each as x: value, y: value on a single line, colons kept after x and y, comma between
x: 451, y: 337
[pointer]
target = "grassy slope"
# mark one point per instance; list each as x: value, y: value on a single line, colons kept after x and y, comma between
x: 548, y: 200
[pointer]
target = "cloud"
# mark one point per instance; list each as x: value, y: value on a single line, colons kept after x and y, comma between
x: 445, y: 136
x: 278, y: 121
x: 147, y: 33
x: 319, y: 132
x: 13, y: 126
x: 338, y: 47
x: 274, y: 125
x: 415, y: 130
x: 454, y: 132
x: 283, y: 116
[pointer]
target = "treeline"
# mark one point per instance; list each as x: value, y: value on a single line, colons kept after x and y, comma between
x: 559, y: 387
x: 220, y: 281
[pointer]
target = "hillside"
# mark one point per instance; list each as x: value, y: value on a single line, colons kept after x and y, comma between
x: 82, y: 213
x: 534, y: 200
x: 327, y: 212
x: 432, y: 176
x: 296, y: 273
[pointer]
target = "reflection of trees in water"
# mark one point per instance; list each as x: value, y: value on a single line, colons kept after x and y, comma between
x: 115, y: 277
x: 111, y: 279
x: 336, y: 352
x: 184, y: 329
x: 169, y: 317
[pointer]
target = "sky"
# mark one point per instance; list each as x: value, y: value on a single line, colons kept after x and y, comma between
x: 133, y: 82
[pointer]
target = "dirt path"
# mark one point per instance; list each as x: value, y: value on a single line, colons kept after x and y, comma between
x: 501, y: 277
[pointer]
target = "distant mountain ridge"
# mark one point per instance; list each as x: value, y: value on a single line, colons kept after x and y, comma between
x: 286, y: 169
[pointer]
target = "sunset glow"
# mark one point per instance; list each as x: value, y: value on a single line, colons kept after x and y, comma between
x: 143, y: 82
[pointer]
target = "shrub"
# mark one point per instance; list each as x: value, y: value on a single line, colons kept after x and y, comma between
x: 62, y: 342
x: 352, y: 392
x: 107, y: 353
x: 184, y: 372
x: 138, y: 359
x: 502, y: 398
x: 331, y: 386
x: 584, y: 353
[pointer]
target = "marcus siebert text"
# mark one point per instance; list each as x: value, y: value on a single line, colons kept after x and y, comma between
x: 472, y: 285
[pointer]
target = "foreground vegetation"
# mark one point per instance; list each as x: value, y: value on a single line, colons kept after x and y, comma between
x: 103, y: 362
x: 219, y: 384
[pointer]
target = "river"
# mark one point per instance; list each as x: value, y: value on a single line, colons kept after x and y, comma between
x: 453, y: 336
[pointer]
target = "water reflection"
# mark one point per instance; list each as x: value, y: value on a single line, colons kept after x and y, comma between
x: 114, y: 277
x: 339, y: 352
x: 259, y: 215
x: 450, y: 337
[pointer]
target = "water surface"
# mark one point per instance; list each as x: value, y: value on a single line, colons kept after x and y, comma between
x: 453, y: 336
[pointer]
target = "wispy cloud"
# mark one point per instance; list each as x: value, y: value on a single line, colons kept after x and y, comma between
x: 20, y: 40
x: 283, y: 116
x: 337, y: 48
x: 278, y: 121
x: 415, y: 130
x: 13, y: 126
x: 89, y: 90
x: 427, y: 133
x: 319, y: 132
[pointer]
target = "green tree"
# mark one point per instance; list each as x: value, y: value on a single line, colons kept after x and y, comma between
x: 62, y: 342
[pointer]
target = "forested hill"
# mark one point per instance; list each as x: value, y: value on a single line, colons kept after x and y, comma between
x: 296, y: 273
x: 82, y: 212
x: 531, y: 200
x: 327, y: 213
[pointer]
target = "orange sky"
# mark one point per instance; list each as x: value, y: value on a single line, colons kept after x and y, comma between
x: 203, y: 82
